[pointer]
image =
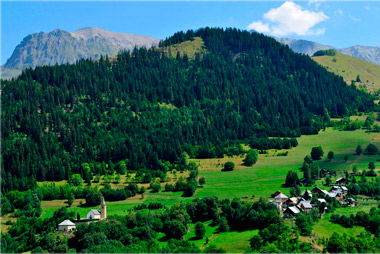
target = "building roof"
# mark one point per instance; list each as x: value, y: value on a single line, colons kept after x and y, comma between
x: 66, y: 223
x: 306, y: 205
x: 316, y: 188
x: 340, y: 179
x: 303, y: 192
x: 103, y: 202
x: 95, y: 211
x: 325, y: 192
x: 293, y: 209
x: 321, y: 200
x: 332, y: 194
x: 344, y: 188
x: 281, y: 195
x: 293, y: 200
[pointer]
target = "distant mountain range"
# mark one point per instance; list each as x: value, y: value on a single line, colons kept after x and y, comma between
x: 370, y: 54
x: 61, y: 47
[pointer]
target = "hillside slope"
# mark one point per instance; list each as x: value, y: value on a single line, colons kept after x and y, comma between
x: 367, y: 53
x: 349, y: 67
x: 61, y: 47
x: 146, y: 108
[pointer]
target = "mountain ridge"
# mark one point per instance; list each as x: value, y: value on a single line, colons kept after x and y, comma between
x: 60, y: 47
x: 368, y: 53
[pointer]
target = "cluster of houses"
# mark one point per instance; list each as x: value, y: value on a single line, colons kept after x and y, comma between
x: 290, y: 206
x: 92, y: 216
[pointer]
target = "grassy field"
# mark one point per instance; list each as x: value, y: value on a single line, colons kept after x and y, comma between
x: 349, y: 67
x: 325, y: 228
x: 268, y: 174
x: 232, y: 242
x: 189, y: 47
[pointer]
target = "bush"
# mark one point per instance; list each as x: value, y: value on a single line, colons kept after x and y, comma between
x: 251, y: 157
x: 169, y: 187
x: 155, y: 186
x: 229, y: 166
x: 316, y: 153
x: 200, y: 230
x: 371, y: 149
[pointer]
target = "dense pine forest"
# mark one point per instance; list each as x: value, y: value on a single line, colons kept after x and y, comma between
x: 145, y: 107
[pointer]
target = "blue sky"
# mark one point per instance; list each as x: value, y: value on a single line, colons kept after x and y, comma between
x: 336, y: 23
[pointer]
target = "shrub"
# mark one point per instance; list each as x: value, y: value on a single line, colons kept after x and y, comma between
x: 229, y: 166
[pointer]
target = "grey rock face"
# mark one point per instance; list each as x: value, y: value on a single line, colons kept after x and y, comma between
x: 61, y: 47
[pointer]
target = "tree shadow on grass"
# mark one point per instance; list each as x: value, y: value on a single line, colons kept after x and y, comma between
x: 194, y: 238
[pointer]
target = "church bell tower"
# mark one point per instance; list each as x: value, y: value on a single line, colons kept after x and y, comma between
x: 103, y: 213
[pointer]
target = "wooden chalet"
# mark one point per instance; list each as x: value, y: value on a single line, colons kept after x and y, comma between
x: 341, y: 180
x: 291, y: 212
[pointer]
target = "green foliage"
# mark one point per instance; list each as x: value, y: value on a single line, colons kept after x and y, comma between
x: 330, y: 155
x: 304, y: 223
x: 358, y: 150
x: 295, y: 191
x: 372, y: 149
x: 155, y: 186
x: 213, y: 249
x: 251, y: 157
x: 175, y: 229
x: 202, y: 181
x: 76, y: 180
x: 71, y: 199
x: 93, y: 199
x: 229, y: 166
x: 223, y: 225
x: 200, y: 230
x: 104, y: 112
x: 292, y: 179
x: 327, y: 52
x: 316, y: 153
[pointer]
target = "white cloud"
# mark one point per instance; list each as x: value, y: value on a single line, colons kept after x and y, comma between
x: 367, y: 8
x: 316, y: 2
x: 338, y: 12
x: 259, y: 26
x: 353, y: 18
x: 289, y: 18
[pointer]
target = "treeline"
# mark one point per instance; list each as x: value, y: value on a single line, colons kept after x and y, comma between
x: 327, y: 52
x: 137, y: 232
x: 56, y: 118
x: 369, y: 220
x: 272, y: 143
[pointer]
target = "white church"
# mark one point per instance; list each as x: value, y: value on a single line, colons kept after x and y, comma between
x: 93, y: 214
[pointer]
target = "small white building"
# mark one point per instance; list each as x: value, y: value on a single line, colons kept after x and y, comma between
x: 66, y: 226
x: 94, y: 214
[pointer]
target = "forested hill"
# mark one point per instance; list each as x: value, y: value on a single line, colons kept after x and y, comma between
x: 146, y: 108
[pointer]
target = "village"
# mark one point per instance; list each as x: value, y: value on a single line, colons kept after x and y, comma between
x: 310, y: 199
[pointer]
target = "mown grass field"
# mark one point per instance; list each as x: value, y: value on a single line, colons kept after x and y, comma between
x: 268, y: 174
x: 349, y: 67
x: 232, y: 242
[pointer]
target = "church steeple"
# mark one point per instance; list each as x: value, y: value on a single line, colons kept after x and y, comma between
x: 103, y: 214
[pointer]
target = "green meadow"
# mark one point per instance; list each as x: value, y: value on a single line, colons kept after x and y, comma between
x: 260, y: 180
x: 268, y: 174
